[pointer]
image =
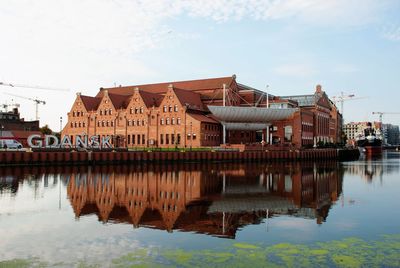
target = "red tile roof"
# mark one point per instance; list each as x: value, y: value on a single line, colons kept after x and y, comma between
x: 151, y: 99
x: 119, y: 101
x: 161, y: 88
x: 91, y: 103
x: 190, y: 99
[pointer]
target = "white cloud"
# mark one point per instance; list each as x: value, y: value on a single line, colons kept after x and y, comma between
x: 86, y: 44
x: 392, y: 33
x: 296, y: 70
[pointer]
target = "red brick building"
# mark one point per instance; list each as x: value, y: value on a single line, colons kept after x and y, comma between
x: 177, y: 114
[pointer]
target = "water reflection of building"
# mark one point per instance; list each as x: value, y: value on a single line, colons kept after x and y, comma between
x: 375, y: 168
x: 210, y: 199
x: 215, y: 199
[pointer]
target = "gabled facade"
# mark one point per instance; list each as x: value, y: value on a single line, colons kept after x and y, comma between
x: 176, y: 114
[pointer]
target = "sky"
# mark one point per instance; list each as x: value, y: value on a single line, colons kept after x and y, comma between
x: 349, y: 46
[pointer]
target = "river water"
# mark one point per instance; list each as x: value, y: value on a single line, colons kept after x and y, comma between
x: 216, y: 214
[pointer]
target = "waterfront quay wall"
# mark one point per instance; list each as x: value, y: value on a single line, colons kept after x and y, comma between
x: 76, y: 158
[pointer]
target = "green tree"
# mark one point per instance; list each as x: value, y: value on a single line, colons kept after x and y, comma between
x: 46, y: 130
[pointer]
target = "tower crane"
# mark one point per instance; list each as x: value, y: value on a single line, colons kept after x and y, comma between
x: 381, y: 115
x: 30, y: 86
x: 343, y: 97
x: 35, y: 100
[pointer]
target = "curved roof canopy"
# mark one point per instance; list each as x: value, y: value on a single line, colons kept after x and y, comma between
x: 249, y: 118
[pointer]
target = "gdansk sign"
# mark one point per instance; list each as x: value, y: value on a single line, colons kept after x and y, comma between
x: 84, y: 141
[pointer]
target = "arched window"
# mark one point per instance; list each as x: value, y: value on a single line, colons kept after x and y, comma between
x: 178, y: 121
x: 133, y: 123
x: 75, y: 124
x: 176, y: 108
x: 131, y: 110
x: 138, y: 122
x: 162, y: 121
x: 108, y: 123
x: 141, y: 110
x: 167, y: 121
x: 79, y: 124
x: 165, y: 108
x: 110, y: 111
x: 170, y: 108
x: 84, y: 124
x: 102, y: 123
x: 105, y: 112
x: 101, y: 112
x: 72, y: 125
x: 112, y: 123
x: 173, y: 121
x: 143, y: 123
x: 73, y: 114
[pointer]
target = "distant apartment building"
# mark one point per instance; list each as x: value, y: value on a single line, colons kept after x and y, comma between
x: 203, y: 113
x: 391, y: 134
x: 353, y: 129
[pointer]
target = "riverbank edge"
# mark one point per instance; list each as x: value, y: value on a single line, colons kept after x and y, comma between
x: 19, y: 158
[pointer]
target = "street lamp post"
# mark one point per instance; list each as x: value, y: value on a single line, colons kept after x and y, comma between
x: 191, y: 135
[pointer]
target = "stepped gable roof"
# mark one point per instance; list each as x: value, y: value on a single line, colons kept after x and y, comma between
x: 188, y: 98
x: 161, y: 88
x: 90, y: 103
x: 150, y: 99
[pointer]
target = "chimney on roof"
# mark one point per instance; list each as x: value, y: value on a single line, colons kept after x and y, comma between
x: 170, y: 86
x: 105, y: 91
x: 234, y: 76
x: 318, y: 89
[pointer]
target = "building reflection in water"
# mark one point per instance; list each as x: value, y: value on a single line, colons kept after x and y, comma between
x: 215, y: 199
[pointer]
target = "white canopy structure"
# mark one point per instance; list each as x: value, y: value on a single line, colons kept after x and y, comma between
x: 236, y: 114
x: 249, y: 118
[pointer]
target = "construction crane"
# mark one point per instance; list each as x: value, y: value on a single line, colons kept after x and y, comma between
x: 343, y: 97
x: 35, y: 100
x: 30, y: 86
x: 381, y: 115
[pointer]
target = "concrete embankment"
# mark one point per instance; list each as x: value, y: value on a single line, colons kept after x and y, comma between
x: 83, y: 158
